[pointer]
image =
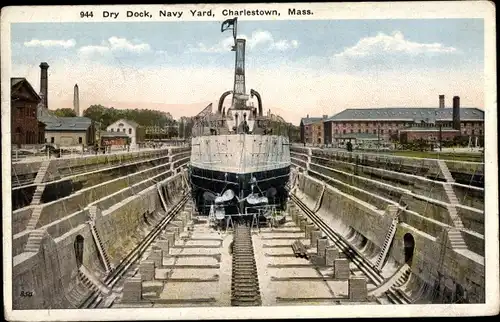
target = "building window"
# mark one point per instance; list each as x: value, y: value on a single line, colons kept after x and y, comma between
x: 45, y: 140
x: 390, y: 132
x: 480, y: 132
x: 112, y: 130
x: 374, y: 131
x: 343, y: 131
x: 336, y: 131
x: 51, y: 139
x: 382, y: 131
x: 80, y: 140
x: 129, y: 131
x: 359, y: 130
x: 352, y: 131
x: 366, y: 131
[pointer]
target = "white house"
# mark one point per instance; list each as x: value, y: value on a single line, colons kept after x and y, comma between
x: 129, y: 127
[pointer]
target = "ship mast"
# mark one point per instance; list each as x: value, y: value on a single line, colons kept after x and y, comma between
x: 239, y: 93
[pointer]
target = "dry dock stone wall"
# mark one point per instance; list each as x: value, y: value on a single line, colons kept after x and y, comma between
x: 50, y: 277
x: 356, y: 203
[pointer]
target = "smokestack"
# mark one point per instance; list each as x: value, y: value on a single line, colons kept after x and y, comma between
x: 44, y: 83
x: 307, y: 115
x: 456, y: 113
x: 441, y: 101
x: 76, y: 101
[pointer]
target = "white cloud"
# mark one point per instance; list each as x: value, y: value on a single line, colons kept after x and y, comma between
x: 89, y: 50
x: 123, y: 44
x: 112, y: 45
x: 283, y: 45
x: 259, y: 39
x: 391, y: 44
x: 50, y: 43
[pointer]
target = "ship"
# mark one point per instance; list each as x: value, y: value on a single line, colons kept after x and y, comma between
x: 238, y: 166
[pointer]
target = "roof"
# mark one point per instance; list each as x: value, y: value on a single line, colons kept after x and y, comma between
x: 113, y: 134
x: 310, y: 120
x: 17, y: 82
x: 409, y: 114
x: 54, y: 123
x: 130, y: 122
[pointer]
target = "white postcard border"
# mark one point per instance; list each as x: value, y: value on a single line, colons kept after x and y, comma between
x: 387, y: 10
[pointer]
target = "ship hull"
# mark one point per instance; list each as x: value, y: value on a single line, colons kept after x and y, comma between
x: 238, y: 162
x: 270, y: 183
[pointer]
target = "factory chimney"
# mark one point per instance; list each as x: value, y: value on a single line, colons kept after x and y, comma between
x: 456, y: 113
x: 76, y: 101
x: 44, y: 83
x: 441, y: 101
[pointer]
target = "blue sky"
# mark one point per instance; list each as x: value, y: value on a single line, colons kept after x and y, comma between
x: 363, y: 56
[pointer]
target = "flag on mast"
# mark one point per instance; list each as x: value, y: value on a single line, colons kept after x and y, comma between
x: 228, y: 23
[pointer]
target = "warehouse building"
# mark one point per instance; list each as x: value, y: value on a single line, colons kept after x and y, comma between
x: 406, y: 124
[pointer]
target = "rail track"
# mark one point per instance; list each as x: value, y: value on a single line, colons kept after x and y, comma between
x: 244, y: 282
x: 369, y: 269
x: 95, y: 298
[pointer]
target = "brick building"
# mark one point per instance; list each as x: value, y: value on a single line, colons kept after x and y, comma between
x: 25, y: 126
x: 113, y: 138
x: 312, y: 129
x: 429, y: 134
x: 407, y: 124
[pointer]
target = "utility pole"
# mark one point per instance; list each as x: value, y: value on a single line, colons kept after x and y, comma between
x: 440, y: 137
x: 440, y: 134
x: 378, y: 136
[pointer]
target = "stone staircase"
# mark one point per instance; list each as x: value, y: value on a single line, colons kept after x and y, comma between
x: 86, y: 276
x: 185, y: 179
x: 450, y: 193
x: 81, y: 290
x: 445, y: 171
x: 162, y: 197
x: 403, y: 278
x: 318, y: 202
x: 388, y: 240
x: 86, y: 281
x: 35, y: 215
x: 400, y: 277
x: 100, y: 248
x: 37, y: 196
x: 456, y: 239
x: 42, y: 171
x: 34, y: 241
x: 454, y: 234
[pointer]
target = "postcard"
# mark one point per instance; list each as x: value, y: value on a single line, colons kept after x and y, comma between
x: 249, y: 161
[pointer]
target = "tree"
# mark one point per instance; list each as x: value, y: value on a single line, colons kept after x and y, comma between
x: 65, y: 112
x: 145, y: 117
